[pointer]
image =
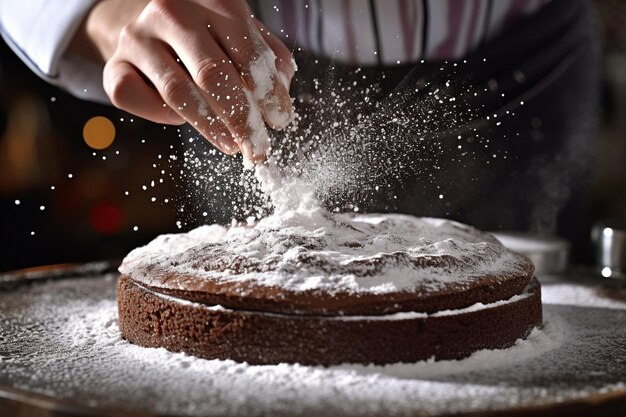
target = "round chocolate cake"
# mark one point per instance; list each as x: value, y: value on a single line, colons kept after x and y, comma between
x: 326, y: 289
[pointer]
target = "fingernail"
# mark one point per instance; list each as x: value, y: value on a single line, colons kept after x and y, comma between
x: 260, y: 143
x: 285, y: 79
x: 277, y: 108
x: 286, y: 71
x: 294, y: 65
x: 229, y: 148
x: 246, y: 150
x: 277, y: 118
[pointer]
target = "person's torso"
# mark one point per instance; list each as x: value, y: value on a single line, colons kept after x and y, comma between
x: 388, y: 32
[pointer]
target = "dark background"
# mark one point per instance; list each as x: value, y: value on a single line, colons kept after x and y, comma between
x: 89, y: 216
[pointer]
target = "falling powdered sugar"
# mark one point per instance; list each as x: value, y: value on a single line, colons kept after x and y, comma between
x: 303, y: 247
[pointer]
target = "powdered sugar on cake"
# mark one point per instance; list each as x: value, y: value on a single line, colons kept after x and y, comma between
x: 303, y: 247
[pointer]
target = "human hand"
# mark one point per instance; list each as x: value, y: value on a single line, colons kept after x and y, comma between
x: 206, y: 62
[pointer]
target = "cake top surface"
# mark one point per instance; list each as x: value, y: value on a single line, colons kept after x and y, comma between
x: 331, y: 253
x: 311, y: 260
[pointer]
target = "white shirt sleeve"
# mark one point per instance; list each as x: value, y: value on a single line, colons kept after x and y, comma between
x: 40, y: 31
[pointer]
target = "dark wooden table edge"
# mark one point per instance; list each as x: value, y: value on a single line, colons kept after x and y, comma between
x: 9, y: 279
x: 610, y: 404
x: 15, y: 402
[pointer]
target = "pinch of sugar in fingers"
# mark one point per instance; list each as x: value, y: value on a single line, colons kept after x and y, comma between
x: 258, y: 133
x: 267, y: 80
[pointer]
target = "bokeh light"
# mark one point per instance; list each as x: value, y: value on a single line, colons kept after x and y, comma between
x: 106, y: 218
x: 99, y: 132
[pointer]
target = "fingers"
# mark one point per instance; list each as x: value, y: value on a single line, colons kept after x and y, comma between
x: 173, y: 86
x: 207, y: 62
x: 183, y: 95
x: 128, y: 91
x: 219, y: 82
x: 284, y: 58
x: 246, y: 46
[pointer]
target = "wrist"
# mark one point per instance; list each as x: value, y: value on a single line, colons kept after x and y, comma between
x: 98, y: 35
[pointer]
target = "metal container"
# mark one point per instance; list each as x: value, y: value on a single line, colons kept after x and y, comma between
x: 549, y: 254
x: 610, y: 245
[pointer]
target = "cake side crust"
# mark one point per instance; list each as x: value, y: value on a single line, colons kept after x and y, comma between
x: 150, y: 319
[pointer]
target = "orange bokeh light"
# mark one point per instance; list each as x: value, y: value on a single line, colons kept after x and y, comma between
x: 99, y: 132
